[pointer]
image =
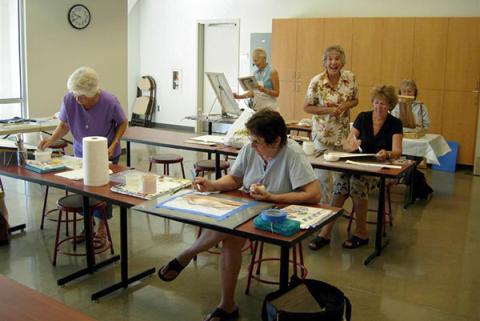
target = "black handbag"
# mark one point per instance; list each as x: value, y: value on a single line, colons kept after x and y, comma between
x: 332, y: 304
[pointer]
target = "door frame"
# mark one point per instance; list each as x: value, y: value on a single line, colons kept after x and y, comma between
x: 200, y: 61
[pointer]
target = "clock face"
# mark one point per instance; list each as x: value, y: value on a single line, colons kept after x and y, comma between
x: 79, y: 16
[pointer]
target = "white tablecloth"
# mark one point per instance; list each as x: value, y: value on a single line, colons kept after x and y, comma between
x: 430, y: 146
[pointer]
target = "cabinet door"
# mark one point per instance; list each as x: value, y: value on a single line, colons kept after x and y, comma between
x: 310, y: 45
x: 284, y: 46
x: 397, y: 50
x: 433, y: 99
x: 460, y: 121
x: 286, y: 100
x: 364, y: 103
x: 338, y: 31
x: 463, y: 54
x: 367, y: 50
x: 430, y: 45
x: 300, y: 92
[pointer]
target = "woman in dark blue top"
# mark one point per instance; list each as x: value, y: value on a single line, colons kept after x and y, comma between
x: 375, y: 132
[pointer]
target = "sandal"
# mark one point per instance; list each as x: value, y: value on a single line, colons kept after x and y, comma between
x: 355, y: 242
x: 318, y: 242
x: 223, y: 315
x: 173, y: 265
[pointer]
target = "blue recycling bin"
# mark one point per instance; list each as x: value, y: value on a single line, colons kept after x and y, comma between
x: 448, y: 162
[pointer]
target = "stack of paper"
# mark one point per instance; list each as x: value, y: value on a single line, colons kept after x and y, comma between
x: 308, y: 216
x: 44, y: 167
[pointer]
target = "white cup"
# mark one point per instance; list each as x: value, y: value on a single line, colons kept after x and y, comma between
x: 149, y: 184
x: 308, y: 147
x: 133, y: 181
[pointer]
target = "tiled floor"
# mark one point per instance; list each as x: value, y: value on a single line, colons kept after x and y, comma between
x: 429, y: 272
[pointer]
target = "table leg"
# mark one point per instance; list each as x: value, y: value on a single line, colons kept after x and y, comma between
x: 284, y: 256
x: 379, y: 228
x: 125, y: 280
x: 128, y: 154
x: 218, y: 171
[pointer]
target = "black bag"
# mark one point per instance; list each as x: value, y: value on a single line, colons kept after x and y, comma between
x: 421, y: 189
x: 333, y: 302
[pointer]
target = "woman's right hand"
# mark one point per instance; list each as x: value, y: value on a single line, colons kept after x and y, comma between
x: 43, y: 144
x: 202, y: 184
x: 352, y: 144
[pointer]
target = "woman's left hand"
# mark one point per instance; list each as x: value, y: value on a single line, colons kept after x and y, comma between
x: 382, y: 155
x: 259, y: 192
x: 111, y: 149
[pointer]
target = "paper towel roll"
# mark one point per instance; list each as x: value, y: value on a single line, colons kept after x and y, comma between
x: 95, y: 161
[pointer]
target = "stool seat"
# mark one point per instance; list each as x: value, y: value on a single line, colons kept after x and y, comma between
x: 75, y: 202
x: 209, y: 164
x: 59, y: 144
x: 166, y: 158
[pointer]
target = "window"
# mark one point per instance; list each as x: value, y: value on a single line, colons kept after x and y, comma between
x: 10, y: 71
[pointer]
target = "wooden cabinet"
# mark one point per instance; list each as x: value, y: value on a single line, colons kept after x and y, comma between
x: 397, y: 50
x: 367, y: 50
x: 440, y: 54
x: 429, y: 58
x: 462, y: 77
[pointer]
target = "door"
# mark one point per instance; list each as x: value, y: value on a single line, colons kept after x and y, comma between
x: 218, y: 52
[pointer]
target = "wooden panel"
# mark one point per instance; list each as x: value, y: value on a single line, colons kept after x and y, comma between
x: 397, y: 50
x: 310, y: 45
x: 430, y: 45
x: 364, y: 103
x: 20, y: 303
x: 463, y: 54
x: 301, y: 91
x: 286, y: 100
x: 284, y: 46
x: 459, y: 122
x: 367, y: 50
x: 338, y: 31
x: 433, y: 99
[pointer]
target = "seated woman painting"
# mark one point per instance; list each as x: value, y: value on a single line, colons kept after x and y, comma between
x: 376, y: 132
x: 273, y: 169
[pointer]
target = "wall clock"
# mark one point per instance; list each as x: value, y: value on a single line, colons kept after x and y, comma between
x: 79, y: 16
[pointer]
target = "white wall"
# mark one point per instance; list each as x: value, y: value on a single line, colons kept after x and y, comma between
x: 168, y: 33
x: 133, y: 53
x: 54, y: 49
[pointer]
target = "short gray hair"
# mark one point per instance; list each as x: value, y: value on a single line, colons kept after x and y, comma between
x: 338, y: 49
x: 83, y: 81
x: 408, y: 84
x: 261, y: 52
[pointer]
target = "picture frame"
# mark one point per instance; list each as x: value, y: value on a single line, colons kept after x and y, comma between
x: 248, y: 83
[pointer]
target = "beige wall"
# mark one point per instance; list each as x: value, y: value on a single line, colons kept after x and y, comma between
x: 54, y: 49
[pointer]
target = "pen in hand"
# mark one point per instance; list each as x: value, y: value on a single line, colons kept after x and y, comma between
x: 359, y: 145
x: 194, y: 176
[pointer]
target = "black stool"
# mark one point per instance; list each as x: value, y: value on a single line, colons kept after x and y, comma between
x: 208, y: 165
x: 74, y: 204
x: 258, y: 262
x: 166, y: 160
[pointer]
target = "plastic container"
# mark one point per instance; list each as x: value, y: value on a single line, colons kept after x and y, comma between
x: 43, y: 155
x: 448, y: 162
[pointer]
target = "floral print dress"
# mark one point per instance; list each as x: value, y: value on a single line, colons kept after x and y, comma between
x: 328, y: 129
